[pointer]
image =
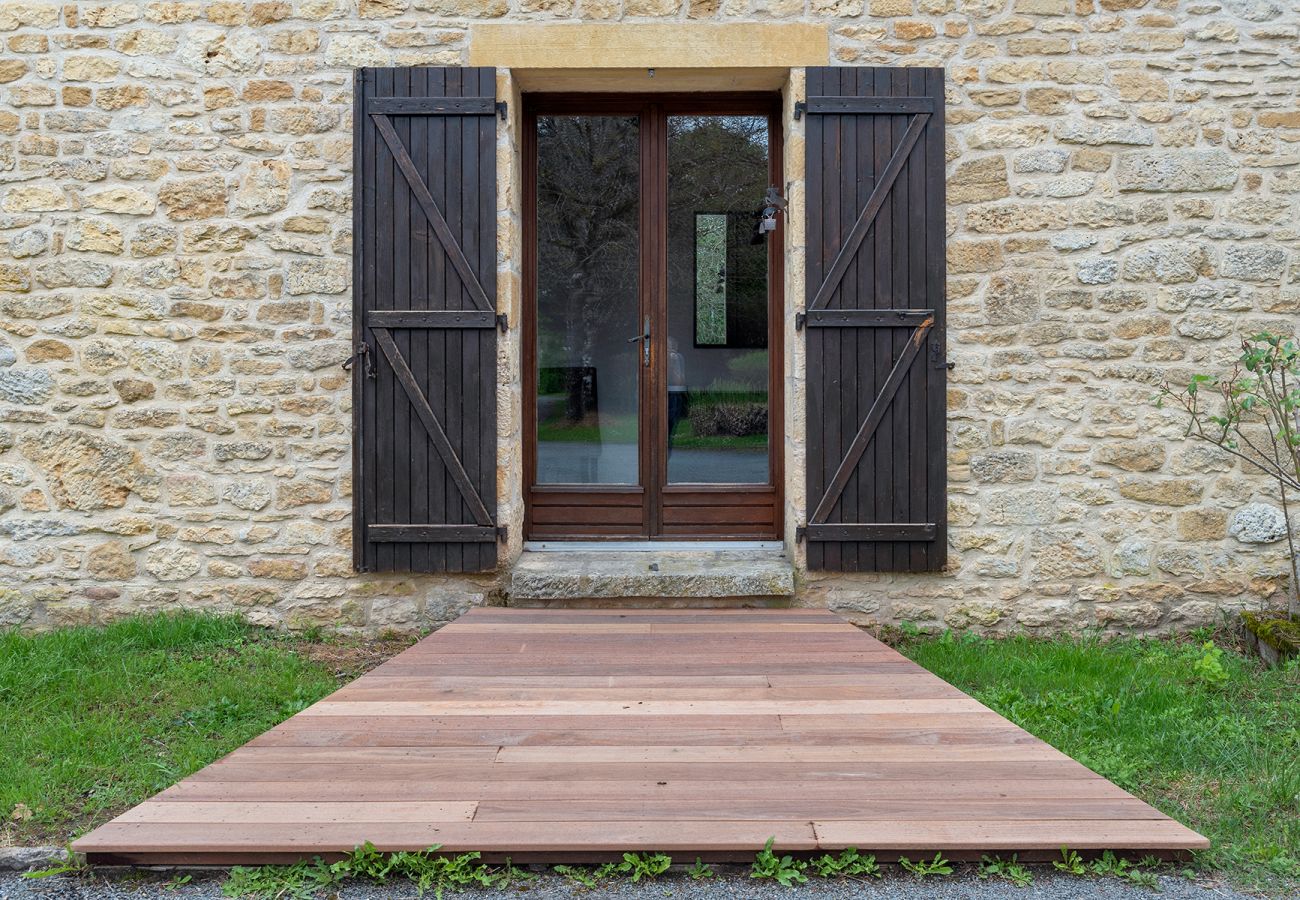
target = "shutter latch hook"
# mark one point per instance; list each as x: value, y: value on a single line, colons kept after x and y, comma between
x: 362, y: 354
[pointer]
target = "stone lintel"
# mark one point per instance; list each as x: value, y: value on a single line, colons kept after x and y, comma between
x: 643, y: 45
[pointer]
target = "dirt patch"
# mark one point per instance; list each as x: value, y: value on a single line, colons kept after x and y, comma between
x: 349, y: 658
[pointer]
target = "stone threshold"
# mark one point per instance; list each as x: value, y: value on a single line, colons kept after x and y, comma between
x: 749, y: 576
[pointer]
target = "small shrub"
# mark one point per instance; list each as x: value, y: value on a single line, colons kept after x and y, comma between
x: 1254, y: 414
x: 1209, y: 665
x: 729, y: 419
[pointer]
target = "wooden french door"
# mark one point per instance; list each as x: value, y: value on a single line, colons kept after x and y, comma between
x: 652, y: 299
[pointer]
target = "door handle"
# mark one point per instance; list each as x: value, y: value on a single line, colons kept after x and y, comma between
x: 644, y: 338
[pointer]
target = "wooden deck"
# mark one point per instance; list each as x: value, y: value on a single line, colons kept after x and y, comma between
x: 578, y: 734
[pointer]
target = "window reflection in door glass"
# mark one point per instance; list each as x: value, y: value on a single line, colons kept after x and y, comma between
x: 588, y: 209
x: 717, y: 379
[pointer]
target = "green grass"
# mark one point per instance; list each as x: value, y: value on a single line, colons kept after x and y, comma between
x: 623, y: 430
x: 96, y: 719
x: 1206, y: 735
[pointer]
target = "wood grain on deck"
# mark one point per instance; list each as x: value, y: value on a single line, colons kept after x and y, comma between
x: 581, y: 734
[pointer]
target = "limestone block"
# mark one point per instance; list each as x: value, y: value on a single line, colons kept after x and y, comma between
x: 194, y: 198
x: 34, y: 198
x: 1265, y: 263
x: 26, y: 387
x: 86, y: 471
x: 1187, y: 170
x: 979, y: 180
x: 1258, y: 523
x: 110, y: 561
x: 172, y: 563
x: 1167, y: 262
x: 122, y: 200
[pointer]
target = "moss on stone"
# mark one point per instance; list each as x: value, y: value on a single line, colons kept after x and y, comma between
x: 1277, y: 629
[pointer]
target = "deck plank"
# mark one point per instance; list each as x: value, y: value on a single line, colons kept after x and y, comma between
x: 581, y: 734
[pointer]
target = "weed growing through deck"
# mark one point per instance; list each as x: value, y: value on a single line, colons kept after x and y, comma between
x: 783, y: 869
x: 849, y: 863
x: 643, y: 865
x: 1218, y: 752
x: 634, y: 867
x: 1108, y: 865
x: 925, y: 868
x: 422, y: 868
x: 700, y: 871
x: 579, y: 875
x: 1070, y: 863
x: 299, y: 881
x: 1005, y: 869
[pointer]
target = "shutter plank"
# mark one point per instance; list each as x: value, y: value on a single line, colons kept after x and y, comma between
x: 404, y: 430
x: 456, y: 299
x: 416, y: 341
x: 874, y: 305
x: 384, y: 287
x: 436, y: 340
x: 424, y: 298
x: 814, y: 147
x: 917, y: 494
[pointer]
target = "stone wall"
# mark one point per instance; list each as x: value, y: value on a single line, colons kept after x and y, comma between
x: 174, y: 267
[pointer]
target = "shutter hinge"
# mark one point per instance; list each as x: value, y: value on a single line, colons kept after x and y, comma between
x: 503, y: 533
x: 800, y: 534
x: 799, y: 320
x: 937, y: 360
x: 502, y: 109
x: 362, y: 355
x: 503, y: 322
x: 800, y: 107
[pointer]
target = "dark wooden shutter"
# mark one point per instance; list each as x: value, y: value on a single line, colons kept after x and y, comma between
x: 874, y: 319
x: 425, y: 320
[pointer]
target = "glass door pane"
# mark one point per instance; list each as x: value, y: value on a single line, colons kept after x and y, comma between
x: 717, y: 378
x: 589, y: 359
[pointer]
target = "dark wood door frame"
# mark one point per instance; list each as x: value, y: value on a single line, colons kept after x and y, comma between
x: 653, y: 509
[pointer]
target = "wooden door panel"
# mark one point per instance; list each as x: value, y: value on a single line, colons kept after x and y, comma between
x: 652, y: 508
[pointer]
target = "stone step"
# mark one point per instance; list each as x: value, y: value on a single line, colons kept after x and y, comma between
x: 747, y: 576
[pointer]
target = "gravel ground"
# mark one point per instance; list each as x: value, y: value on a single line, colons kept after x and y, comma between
x: 136, y: 885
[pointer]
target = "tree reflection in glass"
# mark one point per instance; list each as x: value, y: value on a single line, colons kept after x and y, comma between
x: 588, y: 211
